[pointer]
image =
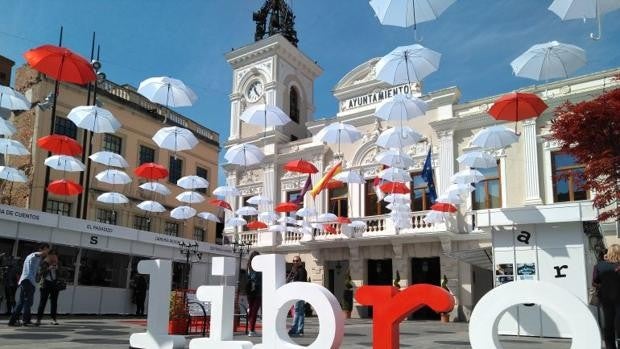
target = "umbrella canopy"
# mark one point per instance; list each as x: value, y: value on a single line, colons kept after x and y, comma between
x: 109, y: 158
x: 61, y: 64
x: 394, y: 158
x: 477, y: 159
x: 282, y: 228
x: 267, y: 217
x: 394, y: 174
x: 265, y: 115
x: 287, y: 220
x: 167, y: 91
x: 406, y: 64
x: 95, y: 119
x: 444, y: 207
x: 300, y: 166
x: 183, y: 212
x: 494, y: 137
x: 397, y: 198
x: 220, y: 203
x: 13, y: 100
x: 582, y: 9
x: 286, y: 207
x: 175, y: 138
x: 255, y: 225
x: 112, y: 198
x: 326, y: 217
x: 400, y: 108
x: 344, y: 220
x: 357, y: 224
x: 12, y: 174
x: 334, y: 184
x: 467, y: 176
x: 517, y: 106
x: 435, y: 217
x: 156, y: 187
x: 113, y: 177
x: 208, y: 216
x: 259, y: 200
x: 65, y: 163
x: 306, y: 212
x: 548, y: 61
x: 151, y: 206
x: 192, y: 182
x: 399, y: 207
x: 244, y: 155
x: 236, y: 222
x: 151, y: 170
x: 398, y: 137
x: 7, y: 129
x: 64, y: 187
x: 353, y: 177
x: 59, y: 144
x: 247, y: 211
x: 190, y: 197
x: 338, y: 133
x: 226, y: 191
x: 405, y: 13
x: 12, y: 147
x: 450, y: 198
x: 394, y: 188
x: 460, y: 188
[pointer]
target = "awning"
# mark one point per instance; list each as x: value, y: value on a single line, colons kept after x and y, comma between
x: 480, y: 257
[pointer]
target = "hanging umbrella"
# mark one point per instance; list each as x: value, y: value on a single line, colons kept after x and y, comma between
x: 247, y: 211
x: 59, y: 144
x: 344, y: 220
x: 397, y: 198
x: 13, y: 100
x: 259, y: 200
x: 192, y: 182
x: 113, y: 177
x: 155, y: 187
x: 548, y: 61
x: 582, y: 9
x: 394, y: 188
x: 109, y: 158
x: 265, y: 115
x: 12, y: 174
x: 300, y: 166
x: 151, y: 206
x: 64, y: 187
x: 267, y: 217
x: 451, y: 197
x: 61, y: 64
x: 113, y: 198
x: 467, y: 176
x: 282, y: 228
x: 458, y: 188
x: 236, y: 222
x: 255, y: 225
x: 7, y: 129
x: 351, y: 177
x: 220, y: 203
x: 444, y: 207
x: 334, y: 184
x: 338, y: 133
x: 398, y: 207
x: 95, y: 119
x: 167, y: 91
x: 183, y: 212
x: 394, y: 174
x: 208, y: 216
x: 226, y: 191
x: 175, y: 139
x: 190, y: 197
x: 244, y: 155
x: 287, y: 220
x: 64, y: 163
x: 406, y: 64
x: 357, y: 224
x: 306, y: 212
x: 494, y: 137
x: 12, y: 147
x: 394, y: 158
x: 400, y: 108
x: 406, y: 13
x: 151, y: 171
x: 517, y: 106
x: 435, y: 217
x: 477, y: 159
x: 286, y: 207
x: 398, y: 137
x: 326, y: 217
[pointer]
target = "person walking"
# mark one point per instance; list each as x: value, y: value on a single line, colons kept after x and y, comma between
x: 254, y: 291
x: 27, y: 282
x: 11, y: 278
x: 50, y: 287
x: 607, y: 282
x: 139, y: 286
x: 298, y: 273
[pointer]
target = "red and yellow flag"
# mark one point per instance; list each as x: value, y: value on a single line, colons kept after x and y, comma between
x: 320, y: 185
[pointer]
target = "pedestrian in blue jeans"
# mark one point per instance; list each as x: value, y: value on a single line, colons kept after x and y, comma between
x: 298, y: 273
x: 27, y: 283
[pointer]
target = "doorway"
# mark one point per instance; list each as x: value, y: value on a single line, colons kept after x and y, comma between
x: 379, y: 273
x: 425, y: 271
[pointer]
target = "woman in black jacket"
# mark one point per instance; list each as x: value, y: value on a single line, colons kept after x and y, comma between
x: 49, y: 286
x: 607, y: 281
x: 254, y: 293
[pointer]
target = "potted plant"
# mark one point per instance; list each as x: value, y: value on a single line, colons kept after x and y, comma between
x: 347, y: 297
x: 178, y: 314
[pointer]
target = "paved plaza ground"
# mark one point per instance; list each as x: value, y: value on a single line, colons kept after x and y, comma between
x: 108, y: 333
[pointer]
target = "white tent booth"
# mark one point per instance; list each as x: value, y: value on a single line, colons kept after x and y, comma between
x: 97, y: 259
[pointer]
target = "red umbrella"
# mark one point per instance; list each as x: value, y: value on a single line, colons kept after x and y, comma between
x: 444, y: 207
x: 395, y: 188
x: 60, y: 145
x: 344, y: 220
x: 64, y: 187
x: 334, y: 184
x: 61, y: 64
x: 255, y: 225
x: 517, y: 106
x: 286, y: 207
x: 151, y: 170
x: 329, y: 228
x: 220, y: 203
x: 301, y: 166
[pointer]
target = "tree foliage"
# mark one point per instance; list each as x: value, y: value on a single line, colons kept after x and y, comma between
x: 590, y: 131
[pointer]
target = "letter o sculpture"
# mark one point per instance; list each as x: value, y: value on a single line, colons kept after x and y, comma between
x: 488, y: 312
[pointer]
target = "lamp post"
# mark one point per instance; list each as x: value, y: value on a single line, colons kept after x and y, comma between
x: 242, y: 248
x: 188, y: 249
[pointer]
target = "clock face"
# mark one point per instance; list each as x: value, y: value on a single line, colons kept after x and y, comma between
x: 254, y: 91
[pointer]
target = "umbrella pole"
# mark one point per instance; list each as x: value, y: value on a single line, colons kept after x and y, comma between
x: 10, y: 193
x: 599, y: 20
x: 415, y: 25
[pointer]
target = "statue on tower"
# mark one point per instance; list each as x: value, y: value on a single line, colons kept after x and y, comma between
x: 275, y: 17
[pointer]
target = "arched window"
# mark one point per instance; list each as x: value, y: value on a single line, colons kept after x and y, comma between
x: 294, y: 104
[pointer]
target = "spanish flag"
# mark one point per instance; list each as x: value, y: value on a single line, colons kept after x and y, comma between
x: 326, y: 178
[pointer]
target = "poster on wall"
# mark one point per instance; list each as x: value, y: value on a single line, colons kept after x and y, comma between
x: 526, y: 271
x: 504, y: 273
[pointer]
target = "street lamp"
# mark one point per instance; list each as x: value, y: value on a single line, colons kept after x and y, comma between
x: 242, y: 248
x: 188, y: 249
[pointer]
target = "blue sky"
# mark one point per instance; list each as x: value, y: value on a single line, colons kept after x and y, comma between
x: 187, y: 39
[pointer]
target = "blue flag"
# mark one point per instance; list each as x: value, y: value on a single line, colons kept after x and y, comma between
x: 427, y: 175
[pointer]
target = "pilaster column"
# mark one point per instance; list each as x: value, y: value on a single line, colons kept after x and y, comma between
x: 446, y: 160
x: 530, y: 156
x: 270, y: 187
x: 356, y: 269
x: 400, y: 264
x: 231, y: 180
x: 235, y: 112
x: 317, y: 271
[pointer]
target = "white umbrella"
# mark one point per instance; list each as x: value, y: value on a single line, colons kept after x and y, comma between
x: 282, y: 228
x: 175, y: 138
x: 244, y: 155
x: 477, y: 159
x: 192, y: 182
x: 259, y: 200
x: 435, y: 217
x: 398, y: 137
x: 582, y: 9
x: 226, y: 191
x: 13, y: 100
x: 7, y: 129
x: 457, y: 188
x: 394, y: 158
x: 112, y: 198
x: 236, y: 222
x: 394, y: 174
x: 109, y: 158
x: 247, y: 211
x: 265, y: 115
x: 406, y: 64
x: 400, y: 108
x: 326, y: 217
x: 399, y: 207
x: 113, y: 177
x: 64, y: 163
x: 405, y: 13
x: 156, y: 187
x: 12, y: 174
x: 450, y: 197
x: 397, y: 198
x: 167, y: 91
x: 339, y: 133
x: 306, y: 212
x: 287, y: 220
x: 95, y: 119
x: 467, y: 176
x: 151, y: 206
x: 357, y: 224
x: 267, y: 217
x: 12, y: 147
x: 352, y: 177
x: 190, y: 197
x: 550, y: 60
x: 494, y: 137
x: 183, y: 212
x: 208, y: 216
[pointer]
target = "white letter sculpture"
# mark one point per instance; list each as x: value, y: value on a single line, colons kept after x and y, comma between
x: 156, y: 335
x: 489, y: 310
